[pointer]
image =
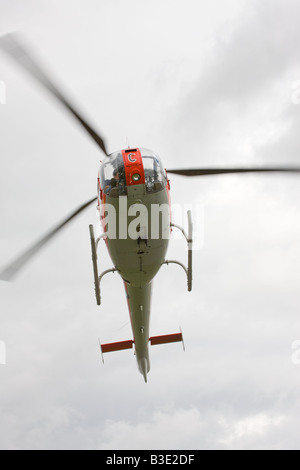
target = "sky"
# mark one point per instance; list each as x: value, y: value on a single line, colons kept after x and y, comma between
x: 203, y: 83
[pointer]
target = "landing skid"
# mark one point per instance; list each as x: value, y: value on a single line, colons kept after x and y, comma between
x: 189, y: 238
x: 97, y: 278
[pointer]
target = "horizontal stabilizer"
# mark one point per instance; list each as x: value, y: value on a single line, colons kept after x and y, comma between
x: 110, y: 347
x: 164, y: 339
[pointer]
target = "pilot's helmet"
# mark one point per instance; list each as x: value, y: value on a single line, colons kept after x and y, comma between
x: 116, y: 172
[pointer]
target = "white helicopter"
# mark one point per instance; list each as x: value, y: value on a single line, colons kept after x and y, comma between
x: 137, y: 176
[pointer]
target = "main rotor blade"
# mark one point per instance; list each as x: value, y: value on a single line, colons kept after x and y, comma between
x: 10, y: 44
x: 223, y: 171
x: 11, y: 270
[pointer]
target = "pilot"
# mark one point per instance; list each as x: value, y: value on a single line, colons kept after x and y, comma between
x: 113, y: 183
x: 116, y: 175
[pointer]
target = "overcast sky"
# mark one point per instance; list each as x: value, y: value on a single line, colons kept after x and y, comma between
x: 202, y: 83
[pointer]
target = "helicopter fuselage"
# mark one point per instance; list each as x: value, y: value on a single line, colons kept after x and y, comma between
x: 136, y: 219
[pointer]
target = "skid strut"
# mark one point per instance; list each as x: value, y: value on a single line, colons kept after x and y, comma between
x: 97, y: 278
x: 189, y: 238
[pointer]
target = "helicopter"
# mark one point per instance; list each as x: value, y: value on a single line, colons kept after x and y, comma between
x: 131, y: 181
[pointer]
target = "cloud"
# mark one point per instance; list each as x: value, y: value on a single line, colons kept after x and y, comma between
x: 241, y: 101
x: 189, y: 429
x: 251, y: 427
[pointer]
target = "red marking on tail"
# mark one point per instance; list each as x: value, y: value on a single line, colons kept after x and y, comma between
x: 110, y: 347
x: 177, y: 337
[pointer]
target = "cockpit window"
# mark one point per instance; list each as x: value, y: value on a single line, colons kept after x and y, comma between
x: 112, y: 175
x: 155, y: 176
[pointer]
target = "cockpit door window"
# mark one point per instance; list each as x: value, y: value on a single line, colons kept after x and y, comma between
x: 131, y: 167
